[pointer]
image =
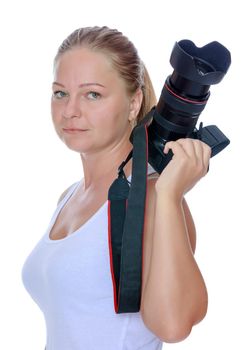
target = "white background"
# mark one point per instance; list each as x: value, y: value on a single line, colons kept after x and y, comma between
x: 36, y: 167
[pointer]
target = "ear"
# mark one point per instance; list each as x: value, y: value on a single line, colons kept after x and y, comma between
x: 135, y: 104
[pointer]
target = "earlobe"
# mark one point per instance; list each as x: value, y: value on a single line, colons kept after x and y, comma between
x: 133, y: 123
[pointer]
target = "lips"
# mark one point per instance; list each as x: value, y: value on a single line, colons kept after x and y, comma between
x: 74, y: 130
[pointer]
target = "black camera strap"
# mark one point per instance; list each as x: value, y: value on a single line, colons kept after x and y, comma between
x: 126, y: 211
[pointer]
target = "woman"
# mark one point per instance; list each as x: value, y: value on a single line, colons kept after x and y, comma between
x: 101, y: 90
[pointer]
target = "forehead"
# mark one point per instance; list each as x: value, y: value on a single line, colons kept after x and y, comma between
x: 83, y: 63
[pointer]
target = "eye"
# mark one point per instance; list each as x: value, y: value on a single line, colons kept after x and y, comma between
x: 93, y: 95
x: 59, y: 94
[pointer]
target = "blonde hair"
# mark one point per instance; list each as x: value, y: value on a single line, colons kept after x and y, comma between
x: 123, y: 55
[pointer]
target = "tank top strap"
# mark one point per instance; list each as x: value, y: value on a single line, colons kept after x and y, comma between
x: 61, y: 204
x: 68, y: 193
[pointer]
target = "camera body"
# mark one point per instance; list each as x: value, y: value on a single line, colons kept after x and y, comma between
x: 183, y: 97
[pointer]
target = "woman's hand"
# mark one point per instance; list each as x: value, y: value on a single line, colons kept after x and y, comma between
x: 188, y: 165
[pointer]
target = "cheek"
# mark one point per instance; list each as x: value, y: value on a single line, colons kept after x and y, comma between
x: 52, y: 108
x: 113, y: 116
x: 111, y: 125
x: 55, y: 111
x: 56, y: 116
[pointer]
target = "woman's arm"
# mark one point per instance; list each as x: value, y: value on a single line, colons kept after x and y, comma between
x: 174, y: 297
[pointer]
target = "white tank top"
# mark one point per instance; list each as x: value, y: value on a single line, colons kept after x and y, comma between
x: 70, y: 280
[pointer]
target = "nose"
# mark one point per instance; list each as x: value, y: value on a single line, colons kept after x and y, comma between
x: 72, y: 108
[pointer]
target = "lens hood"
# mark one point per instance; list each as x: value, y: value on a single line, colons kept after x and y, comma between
x: 205, y: 65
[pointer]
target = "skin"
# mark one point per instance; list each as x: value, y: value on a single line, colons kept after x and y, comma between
x: 92, y: 114
x: 174, y: 296
x: 99, y: 115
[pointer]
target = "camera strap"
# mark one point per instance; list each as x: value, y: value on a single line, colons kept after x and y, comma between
x: 126, y: 211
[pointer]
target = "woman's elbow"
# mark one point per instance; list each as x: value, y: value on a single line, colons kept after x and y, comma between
x: 173, y: 331
x: 175, y: 335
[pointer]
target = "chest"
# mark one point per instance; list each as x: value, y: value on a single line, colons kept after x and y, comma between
x: 78, y: 265
x: 75, y: 213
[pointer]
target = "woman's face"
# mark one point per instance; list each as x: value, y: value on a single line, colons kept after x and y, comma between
x: 90, y: 105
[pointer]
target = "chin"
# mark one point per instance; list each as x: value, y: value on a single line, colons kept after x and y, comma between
x: 76, y: 145
x: 79, y: 148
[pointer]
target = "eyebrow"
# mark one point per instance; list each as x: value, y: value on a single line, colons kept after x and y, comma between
x: 81, y: 85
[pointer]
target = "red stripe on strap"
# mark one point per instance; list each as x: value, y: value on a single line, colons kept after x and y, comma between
x: 146, y: 132
x: 111, y: 259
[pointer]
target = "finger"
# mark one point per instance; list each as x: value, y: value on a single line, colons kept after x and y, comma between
x: 203, y: 154
x: 200, y: 160
x: 199, y: 151
x: 188, y: 146
x: 206, y: 155
x: 175, y: 147
x: 194, y: 147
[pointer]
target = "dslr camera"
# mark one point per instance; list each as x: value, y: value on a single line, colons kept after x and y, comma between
x: 183, y: 97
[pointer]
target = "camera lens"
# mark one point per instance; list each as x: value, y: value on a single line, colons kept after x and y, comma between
x: 186, y: 91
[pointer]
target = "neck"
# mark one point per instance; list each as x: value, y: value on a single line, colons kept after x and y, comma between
x: 100, y: 168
